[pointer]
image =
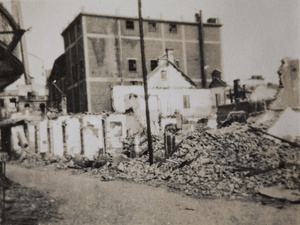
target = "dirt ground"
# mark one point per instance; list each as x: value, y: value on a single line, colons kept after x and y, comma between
x: 81, y: 199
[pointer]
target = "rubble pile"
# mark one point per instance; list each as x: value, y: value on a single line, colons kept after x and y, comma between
x: 232, y: 162
x: 229, y: 162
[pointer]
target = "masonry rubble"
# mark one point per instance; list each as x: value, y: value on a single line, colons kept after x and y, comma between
x: 231, y: 162
x: 194, y: 157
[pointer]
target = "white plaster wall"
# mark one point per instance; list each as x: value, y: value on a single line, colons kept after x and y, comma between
x: 174, y: 79
x: 57, y: 147
x: 113, y: 140
x: 31, y: 134
x: 18, y: 139
x: 218, y: 90
x: 73, y: 139
x: 92, y: 134
x: 165, y: 101
x: 119, y: 92
x: 172, y: 99
x: 43, y: 136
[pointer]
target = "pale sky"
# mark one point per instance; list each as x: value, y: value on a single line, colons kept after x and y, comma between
x: 256, y: 34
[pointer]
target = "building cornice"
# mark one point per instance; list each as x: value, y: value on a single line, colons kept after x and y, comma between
x: 144, y: 19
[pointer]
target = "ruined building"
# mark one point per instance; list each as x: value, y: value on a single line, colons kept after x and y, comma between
x: 103, y: 51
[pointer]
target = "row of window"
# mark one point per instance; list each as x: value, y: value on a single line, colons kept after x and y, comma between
x: 151, y: 26
x: 132, y: 64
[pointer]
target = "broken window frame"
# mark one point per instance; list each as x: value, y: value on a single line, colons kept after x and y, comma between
x: 151, y: 26
x: 153, y: 64
x: 186, y: 102
x: 132, y: 65
x: 129, y: 24
x: 173, y: 28
x: 13, y: 100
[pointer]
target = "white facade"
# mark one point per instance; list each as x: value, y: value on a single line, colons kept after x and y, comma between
x: 169, y: 90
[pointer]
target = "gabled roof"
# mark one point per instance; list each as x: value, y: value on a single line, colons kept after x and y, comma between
x: 183, y: 74
x: 217, y: 82
x: 180, y: 71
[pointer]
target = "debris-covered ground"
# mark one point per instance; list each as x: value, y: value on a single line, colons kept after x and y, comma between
x: 230, y: 162
x: 24, y: 205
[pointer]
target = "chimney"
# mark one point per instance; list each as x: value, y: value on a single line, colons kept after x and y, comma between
x: 197, y: 18
x: 170, y: 55
x: 216, y: 74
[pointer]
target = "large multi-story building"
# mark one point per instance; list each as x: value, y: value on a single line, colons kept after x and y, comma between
x: 102, y: 51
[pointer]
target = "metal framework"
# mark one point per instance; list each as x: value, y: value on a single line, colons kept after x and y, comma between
x: 7, y: 26
x: 10, y: 35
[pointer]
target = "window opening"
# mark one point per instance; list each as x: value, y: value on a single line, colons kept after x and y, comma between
x: 173, y: 28
x: 186, y: 102
x: 129, y: 25
x: 152, y: 26
x: 132, y: 65
x: 153, y: 64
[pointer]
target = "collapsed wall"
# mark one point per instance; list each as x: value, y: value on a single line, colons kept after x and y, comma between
x: 289, y: 94
x: 287, y: 126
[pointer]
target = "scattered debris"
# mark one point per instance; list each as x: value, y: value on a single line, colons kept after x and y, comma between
x: 280, y: 193
x: 233, y: 161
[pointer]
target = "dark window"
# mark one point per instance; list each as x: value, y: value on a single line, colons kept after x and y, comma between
x: 186, y: 102
x: 153, y: 64
x: 173, y: 28
x: 152, y: 26
x: 163, y: 75
x: 2, y: 102
x: 132, y: 65
x: 133, y: 83
x: 129, y: 25
x: 13, y: 100
x: 177, y: 63
x: 42, y: 107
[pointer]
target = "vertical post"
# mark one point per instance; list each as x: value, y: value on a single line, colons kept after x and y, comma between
x: 201, y: 49
x: 173, y: 144
x: 145, y: 83
x: 169, y: 146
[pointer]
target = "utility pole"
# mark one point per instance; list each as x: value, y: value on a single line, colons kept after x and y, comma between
x: 145, y: 83
x: 201, y: 49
